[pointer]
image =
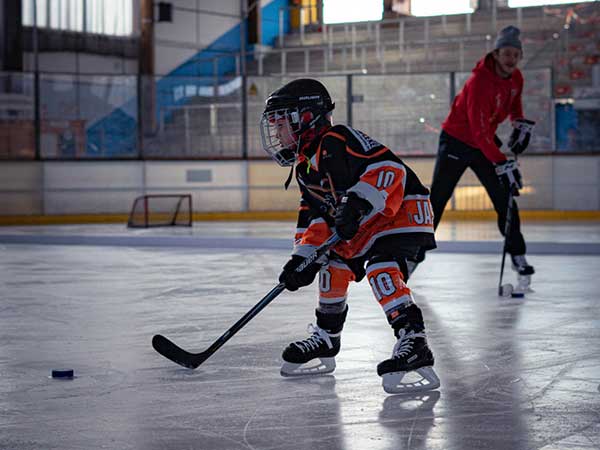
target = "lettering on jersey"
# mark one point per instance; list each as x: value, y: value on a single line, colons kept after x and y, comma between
x: 385, y: 179
x: 382, y: 285
x: 324, y: 281
x: 367, y: 142
x: 424, y: 214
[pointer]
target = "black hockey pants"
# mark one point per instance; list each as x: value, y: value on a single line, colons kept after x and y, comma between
x: 453, y: 159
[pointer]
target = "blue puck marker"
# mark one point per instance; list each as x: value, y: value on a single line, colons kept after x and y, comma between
x: 62, y: 373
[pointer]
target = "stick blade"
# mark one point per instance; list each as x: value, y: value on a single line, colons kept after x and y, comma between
x: 171, y: 351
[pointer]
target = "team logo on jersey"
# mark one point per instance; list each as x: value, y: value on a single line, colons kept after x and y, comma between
x: 367, y: 142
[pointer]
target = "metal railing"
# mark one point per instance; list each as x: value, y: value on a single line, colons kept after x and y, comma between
x: 127, y: 116
x: 187, y: 117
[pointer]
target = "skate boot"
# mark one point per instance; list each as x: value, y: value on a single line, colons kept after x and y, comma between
x: 410, y: 354
x: 524, y: 272
x: 316, y: 354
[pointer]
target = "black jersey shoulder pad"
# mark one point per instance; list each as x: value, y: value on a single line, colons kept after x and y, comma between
x: 338, y: 132
x: 357, y: 142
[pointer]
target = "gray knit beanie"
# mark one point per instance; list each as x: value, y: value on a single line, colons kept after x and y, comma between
x: 508, y: 37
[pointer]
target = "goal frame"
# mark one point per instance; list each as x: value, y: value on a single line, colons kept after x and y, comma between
x: 183, y: 198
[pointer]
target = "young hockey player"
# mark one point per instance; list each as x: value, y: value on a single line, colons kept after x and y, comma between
x: 356, y: 187
x: 490, y: 95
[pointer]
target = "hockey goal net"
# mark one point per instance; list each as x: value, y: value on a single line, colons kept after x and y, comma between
x: 161, y: 210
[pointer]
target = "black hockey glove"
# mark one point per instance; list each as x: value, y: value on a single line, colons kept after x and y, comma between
x: 520, y: 136
x: 348, y: 215
x: 294, y: 280
x: 509, y: 174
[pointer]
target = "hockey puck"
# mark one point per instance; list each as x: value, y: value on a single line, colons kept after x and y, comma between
x: 62, y: 373
x: 517, y: 295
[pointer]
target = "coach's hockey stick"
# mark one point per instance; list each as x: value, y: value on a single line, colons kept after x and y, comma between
x: 507, y: 225
x: 184, y: 358
x: 507, y: 289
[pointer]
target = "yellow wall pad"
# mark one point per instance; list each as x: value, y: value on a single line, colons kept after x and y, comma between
x: 285, y: 215
x: 64, y: 219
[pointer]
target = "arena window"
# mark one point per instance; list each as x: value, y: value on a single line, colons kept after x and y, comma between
x: 108, y: 17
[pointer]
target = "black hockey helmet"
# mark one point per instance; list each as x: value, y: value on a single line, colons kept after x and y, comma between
x: 290, y: 111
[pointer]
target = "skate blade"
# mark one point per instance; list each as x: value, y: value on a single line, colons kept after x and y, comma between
x: 524, y: 289
x: 521, y: 290
x: 393, y: 382
x: 317, y: 366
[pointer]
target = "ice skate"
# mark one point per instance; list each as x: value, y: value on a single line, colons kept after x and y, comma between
x: 312, y: 356
x: 524, y: 272
x: 411, y: 356
x: 316, y: 355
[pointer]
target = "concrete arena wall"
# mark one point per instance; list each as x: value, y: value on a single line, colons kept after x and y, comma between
x: 98, y: 187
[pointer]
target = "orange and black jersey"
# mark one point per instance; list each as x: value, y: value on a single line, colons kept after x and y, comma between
x: 346, y: 160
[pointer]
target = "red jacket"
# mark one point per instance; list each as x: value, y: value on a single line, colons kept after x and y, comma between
x: 484, y: 102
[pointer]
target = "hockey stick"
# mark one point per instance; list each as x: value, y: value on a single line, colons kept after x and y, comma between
x: 507, y: 226
x: 184, y: 358
x: 506, y: 231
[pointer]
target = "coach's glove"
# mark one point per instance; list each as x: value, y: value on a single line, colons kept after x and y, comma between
x: 348, y: 215
x: 520, y: 136
x: 509, y: 174
x: 294, y: 280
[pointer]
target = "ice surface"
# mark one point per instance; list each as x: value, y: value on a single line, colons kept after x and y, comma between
x: 515, y: 373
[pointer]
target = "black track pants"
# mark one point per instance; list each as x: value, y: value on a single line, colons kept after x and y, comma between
x: 453, y: 159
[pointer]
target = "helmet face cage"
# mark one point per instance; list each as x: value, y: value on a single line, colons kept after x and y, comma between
x: 279, y: 129
x: 290, y: 112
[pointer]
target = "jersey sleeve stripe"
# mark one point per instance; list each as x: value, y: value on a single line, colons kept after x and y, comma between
x: 335, y: 135
x: 416, y: 197
x: 373, y: 155
x: 304, y: 250
x: 371, y: 194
